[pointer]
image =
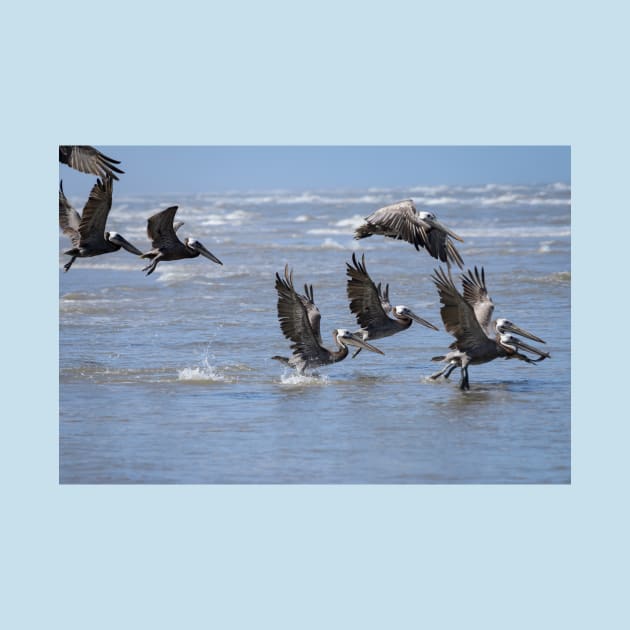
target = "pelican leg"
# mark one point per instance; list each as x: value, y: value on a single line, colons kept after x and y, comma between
x: 438, y: 374
x: 464, y: 384
x: 69, y: 264
x: 446, y: 371
x: 151, y: 268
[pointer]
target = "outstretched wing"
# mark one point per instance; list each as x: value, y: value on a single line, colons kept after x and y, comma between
x: 440, y: 246
x: 161, y: 231
x: 294, y: 320
x: 314, y: 316
x: 69, y: 218
x: 476, y: 294
x: 458, y: 315
x: 366, y: 301
x: 95, y: 212
x: 87, y: 159
x: 398, y: 220
x: 383, y: 294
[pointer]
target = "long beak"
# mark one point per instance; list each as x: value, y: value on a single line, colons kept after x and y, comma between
x: 524, y: 333
x: 521, y: 345
x: 434, y: 223
x: 125, y: 244
x: 355, y: 339
x: 424, y: 322
x: 204, y: 252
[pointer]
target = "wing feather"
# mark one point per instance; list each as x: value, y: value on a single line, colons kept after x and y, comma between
x: 69, y: 218
x: 365, y: 297
x: 294, y: 321
x: 440, y: 246
x: 161, y: 231
x: 397, y: 220
x: 87, y: 159
x: 458, y: 315
x: 95, y: 213
x: 476, y: 294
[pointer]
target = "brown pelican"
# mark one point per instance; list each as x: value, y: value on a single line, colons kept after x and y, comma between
x: 467, y: 320
x: 371, y: 305
x: 166, y: 245
x: 88, y: 160
x: 87, y: 232
x: 402, y: 221
x: 300, y: 324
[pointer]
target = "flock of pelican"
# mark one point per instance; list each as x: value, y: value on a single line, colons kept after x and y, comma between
x: 466, y: 315
x: 87, y: 231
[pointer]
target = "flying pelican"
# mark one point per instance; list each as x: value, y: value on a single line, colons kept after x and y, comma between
x: 468, y: 322
x: 301, y: 326
x: 87, y: 159
x: 87, y: 232
x: 166, y: 245
x: 402, y: 221
x: 370, y: 305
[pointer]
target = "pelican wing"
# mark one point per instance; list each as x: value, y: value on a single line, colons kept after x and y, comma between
x: 87, y: 159
x: 294, y: 321
x: 399, y: 220
x: 476, y: 294
x: 440, y: 246
x: 69, y: 218
x: 366, y: 301
x: 383, y: 295
x: 161, y: 231
x: 95, y: 212
x: 458, y: 315
x: 314, y: 316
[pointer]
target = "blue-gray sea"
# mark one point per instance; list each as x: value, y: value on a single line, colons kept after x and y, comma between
x: 169, y: 378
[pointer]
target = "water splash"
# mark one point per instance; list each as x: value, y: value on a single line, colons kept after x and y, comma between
x: 291, y: 378
x: 203, y: 373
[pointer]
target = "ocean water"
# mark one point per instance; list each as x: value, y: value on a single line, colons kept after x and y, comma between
x: 169, y: 378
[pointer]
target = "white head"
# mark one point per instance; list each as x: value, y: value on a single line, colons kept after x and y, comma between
x: 403, y: 312
x: 344, y: 338
x: 503, y: 324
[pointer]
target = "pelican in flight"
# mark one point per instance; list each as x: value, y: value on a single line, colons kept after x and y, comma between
x: 402, y: 221
x: 299, y: 321
x: 87, y: 232
x: 371, y: 305
x: 467, y: 317
x: 166, y: 245
x: 88, y: 160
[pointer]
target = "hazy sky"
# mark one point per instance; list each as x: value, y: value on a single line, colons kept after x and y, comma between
x: 194, y: 169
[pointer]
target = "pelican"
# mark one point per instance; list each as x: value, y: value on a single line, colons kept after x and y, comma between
x: 301, y: 326
x: 402, y: 221
x: 467, y: 320
x: 370, y: 305
x: 166, y: 245
x: 88, y: 160
x: 87, y: 232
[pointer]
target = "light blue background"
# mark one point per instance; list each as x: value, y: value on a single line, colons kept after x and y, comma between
x: 314, y: 557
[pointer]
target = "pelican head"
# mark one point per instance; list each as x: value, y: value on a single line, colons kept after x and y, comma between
x: 429, y: 219
x: 346, y: 338
x: 120, y: 241
x: 195, y: 245
x: 504, y: 326
x: 515, y: 344
x: 403, y: 312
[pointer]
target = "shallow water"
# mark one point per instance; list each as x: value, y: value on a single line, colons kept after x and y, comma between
x: 168, y: 378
